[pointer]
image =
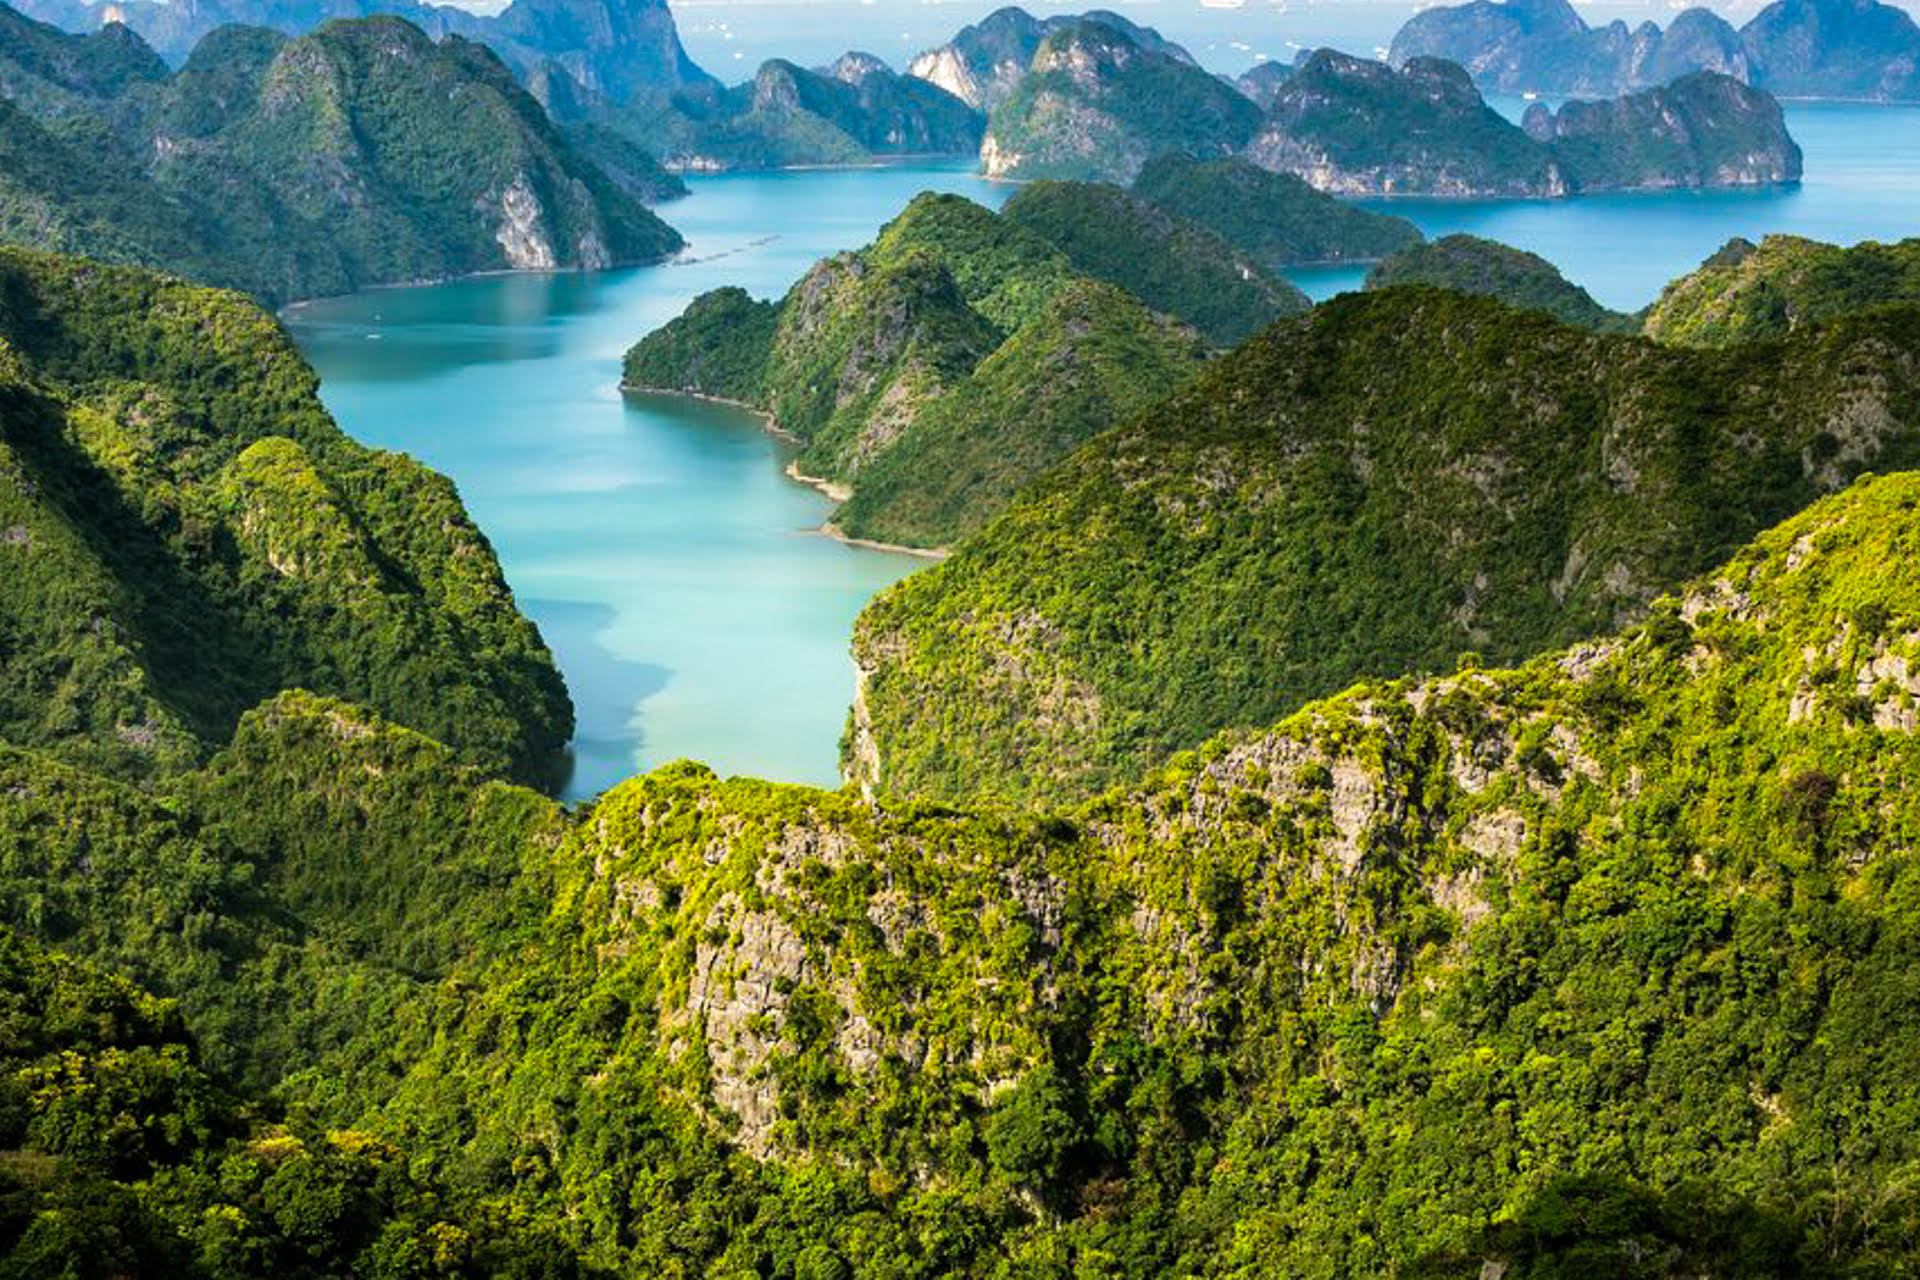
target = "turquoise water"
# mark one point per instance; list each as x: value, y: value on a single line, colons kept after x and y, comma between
x: 671, y: 564
x: 1862, y: 183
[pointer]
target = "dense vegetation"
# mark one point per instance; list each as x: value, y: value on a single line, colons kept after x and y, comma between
x: 1748, y: 293
x: 855, y: 111
x: 1093, y: 356
x: 359, y: 154
x: 185, y: 531
x: 1469, y: 264
x: 616, y: 49
x: 962, y: 353
x: 1276, y: 217
x: 1604, y: 965
x: 1097, y: 105
x: 1703, y: 130
x: 1173, y: 265
x: 1395, y: 478
x: 1850, y: 49
x: 1353, y: 126
x: 984, y: 63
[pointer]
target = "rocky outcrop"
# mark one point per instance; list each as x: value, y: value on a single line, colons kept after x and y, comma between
x: 1703, y: 130
x: 1358, y: 127
x: 1850, y: 49
x: 1544, y: 45
x: 854, y: 111
x: 984, y: 64
x: 416, y: 159
x: 618, y: 48
x: 1096, y: 104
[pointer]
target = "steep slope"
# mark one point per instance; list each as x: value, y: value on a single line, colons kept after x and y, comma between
x: 1276, y: 217
x: 1173, y: 265
x: 1091, y: 357
x: 983, y: 64
x: 1855, y: 49
x: 855, y: 111
x: 1094, y: 104
x: 361, y: 154
x: 1703, y: 130
x: 187, y: 532
x: 1521, y: 46
x: 1604, y: 965
x: 1469, y: 264
x: 414, y: 159
x: 50, y: 73
x: 1356, y: 127
x: 961, y: 353
x: 1395, y: 478
x: 1748, y: 293
x: 616, y: 48
x: 1262, y: 82
x: 1859, y: 50
x: 71, y: 187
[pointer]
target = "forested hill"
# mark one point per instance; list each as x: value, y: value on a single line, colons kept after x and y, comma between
x: 939, y: 369
x: 1758, y: 293
x: 185, y: 531
x: 360, y: 154
x: 1378, y: 486
x: 1603, y: 963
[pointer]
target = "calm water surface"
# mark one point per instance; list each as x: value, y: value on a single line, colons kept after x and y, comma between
x: 1862, y: 183
x: 671, y: 564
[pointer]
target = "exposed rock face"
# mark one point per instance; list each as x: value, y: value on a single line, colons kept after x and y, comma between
x: 984, y: 63
x: 1520, y: 45
x: 522, y: 236
x: 619, y: 48
x: 415, y: 160
x: 1703, y: 130
x: 1263, y: 82
x: 1855, y: 49
x: 1094, y: 104
x: 851, y: 112
x: 1358, y: 127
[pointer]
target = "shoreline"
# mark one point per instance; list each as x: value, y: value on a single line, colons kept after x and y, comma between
x: 837, y: 493
x: 834, y: 531
x: 828, y: 488
x: 489, y: 273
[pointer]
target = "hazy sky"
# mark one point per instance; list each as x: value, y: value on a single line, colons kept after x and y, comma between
x: 732, y: 37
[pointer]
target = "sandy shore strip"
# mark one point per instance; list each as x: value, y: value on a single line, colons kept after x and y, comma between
x: 832, y: 530
x: 837, y: 492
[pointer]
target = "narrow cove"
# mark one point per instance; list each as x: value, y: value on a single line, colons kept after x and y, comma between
x: 676, y: 569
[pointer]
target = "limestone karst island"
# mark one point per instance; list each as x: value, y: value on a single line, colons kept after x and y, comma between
x: 868, y: 640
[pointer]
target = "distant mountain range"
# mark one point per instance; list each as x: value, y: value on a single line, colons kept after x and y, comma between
x: 615, y: 47
x: 1094, y: 104
x: 360, y: 153
x: 1847, y: 49
x: 1097, y: 96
